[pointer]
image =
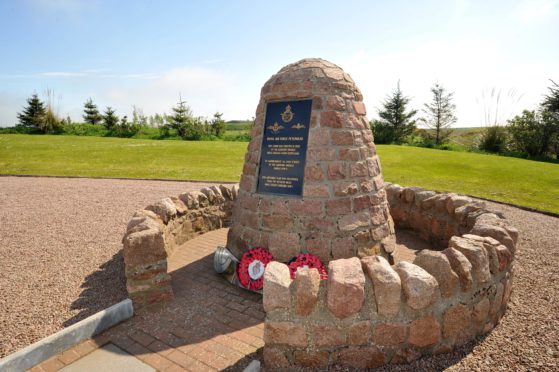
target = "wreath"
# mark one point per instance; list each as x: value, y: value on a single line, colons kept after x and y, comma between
x: 307, y: 260
x: 250, y: 270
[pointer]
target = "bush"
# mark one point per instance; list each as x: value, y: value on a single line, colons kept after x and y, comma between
x: 18, y: 129
x: 494, y: 139
x: 84, y: 129
x: 534, y: 133
x: 238, y: 137
x: 383, y: 132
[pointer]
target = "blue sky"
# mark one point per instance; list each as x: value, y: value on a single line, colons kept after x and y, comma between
x: 218, y: 54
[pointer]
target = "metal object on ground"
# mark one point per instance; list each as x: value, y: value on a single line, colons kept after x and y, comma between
x: 223, y: 259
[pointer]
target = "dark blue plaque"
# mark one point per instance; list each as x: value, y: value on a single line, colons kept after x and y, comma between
x: 284, y: 148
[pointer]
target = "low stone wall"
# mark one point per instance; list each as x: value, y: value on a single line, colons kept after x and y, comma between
x: 369, y: 313
x: 154, y: 232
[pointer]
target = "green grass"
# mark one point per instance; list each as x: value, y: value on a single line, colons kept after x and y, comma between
x: 118, y: 157
x: 518, y: 181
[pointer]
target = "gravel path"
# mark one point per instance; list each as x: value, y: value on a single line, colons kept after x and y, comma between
x: 60, y: 261
x: 60, y: 243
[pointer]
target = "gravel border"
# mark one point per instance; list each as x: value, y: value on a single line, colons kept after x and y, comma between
x: 60, y: 249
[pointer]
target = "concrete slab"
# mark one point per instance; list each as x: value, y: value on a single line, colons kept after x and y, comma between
x: 109, y: 358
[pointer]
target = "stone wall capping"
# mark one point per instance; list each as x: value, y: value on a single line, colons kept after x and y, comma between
x: 153, y: 234
x: 446, y: 297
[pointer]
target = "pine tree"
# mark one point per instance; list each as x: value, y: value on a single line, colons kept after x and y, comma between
x: 218, y: 125
x: 440, y: 113
x: 92, y: 115
x: 33, y: 116
x: 396, y: 122
x: 110, y: 120
x: 181, y: 119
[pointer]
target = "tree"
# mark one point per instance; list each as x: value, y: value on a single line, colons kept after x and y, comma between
x: 396, y: 122
x: 92, y: 115
x: 33, y: 116
x: 184, y: 123
x: 110, y: 120
x: 218, y: 125
x: 551, y: 101
x: 550, y: 105
x: 533, y: 132
x: 138, y: 117
x: 440, y: 113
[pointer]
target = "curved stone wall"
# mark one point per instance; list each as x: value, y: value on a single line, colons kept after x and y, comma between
x: 154, y: 232
x: 369, y: 313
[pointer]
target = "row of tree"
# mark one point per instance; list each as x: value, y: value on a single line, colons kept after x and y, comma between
x: 397, y: 123
x: 40, y: 118
x: 533, y: 134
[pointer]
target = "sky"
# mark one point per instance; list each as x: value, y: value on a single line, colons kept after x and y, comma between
x: 217, y: 54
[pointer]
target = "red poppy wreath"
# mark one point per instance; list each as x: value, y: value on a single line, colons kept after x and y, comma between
x: 250, y: 270
x: 307, y: 260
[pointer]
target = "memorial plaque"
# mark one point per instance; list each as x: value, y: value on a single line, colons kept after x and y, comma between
x: 284, y: 148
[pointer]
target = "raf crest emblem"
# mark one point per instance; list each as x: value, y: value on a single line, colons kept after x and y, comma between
x: 287, y: 115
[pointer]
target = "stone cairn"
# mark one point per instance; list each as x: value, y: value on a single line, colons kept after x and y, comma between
x: 343, y: 211
x: 369, y: 312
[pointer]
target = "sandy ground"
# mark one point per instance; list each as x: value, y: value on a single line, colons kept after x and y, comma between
x: 60, y: 262
x: 60, y: 249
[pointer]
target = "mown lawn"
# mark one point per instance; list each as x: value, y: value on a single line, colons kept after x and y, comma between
x: 523, y: 182
x: 118, y: 157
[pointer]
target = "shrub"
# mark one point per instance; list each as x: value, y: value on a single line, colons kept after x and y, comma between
x: 534, y: 133
x: 383, y: 132
x: 84, y: 129
x: 494, y: 139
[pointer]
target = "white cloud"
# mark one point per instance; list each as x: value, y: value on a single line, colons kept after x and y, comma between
x: 205, y: 91
x: 62, y: 74
x: 534, y: 10
x: 465, y: 67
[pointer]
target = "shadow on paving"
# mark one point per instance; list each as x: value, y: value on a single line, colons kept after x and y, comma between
x: 209, y: 323
x: 101, y: 289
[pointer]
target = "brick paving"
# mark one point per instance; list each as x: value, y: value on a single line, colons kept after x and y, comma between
x: 211, y: 325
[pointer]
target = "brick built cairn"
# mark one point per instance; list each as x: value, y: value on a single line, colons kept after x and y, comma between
x: 343, y: 211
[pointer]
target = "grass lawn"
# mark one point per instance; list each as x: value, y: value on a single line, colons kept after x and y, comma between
x: 118, y: 157
x: 517, y: 181
x: 523, y: 182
